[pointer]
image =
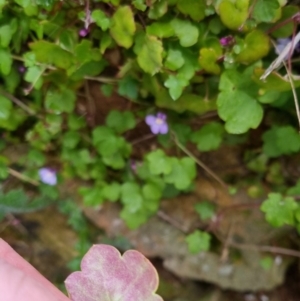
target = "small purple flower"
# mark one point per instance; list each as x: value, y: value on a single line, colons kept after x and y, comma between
x: 282, y: 43
x: 21, y: 69
x: 227, y: 41
x: 48, y: 176
x: 83, y: 32
x: 158, y: 124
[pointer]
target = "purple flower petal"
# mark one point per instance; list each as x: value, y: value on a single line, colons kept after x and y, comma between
x: 161, y: 116
x: 48, y: 176
x: 158, y: 123
x: 150, y: 120
x: 164, y: 128
x: 83, y: 32
x: 155, y: 128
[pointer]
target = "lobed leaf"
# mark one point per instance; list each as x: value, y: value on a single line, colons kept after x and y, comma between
x: 123, y: 26
x: 107, y: 276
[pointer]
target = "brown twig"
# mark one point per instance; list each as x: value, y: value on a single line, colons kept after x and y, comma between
x: 200, y: 163
x: 22, y: 177
x: 18, y: 102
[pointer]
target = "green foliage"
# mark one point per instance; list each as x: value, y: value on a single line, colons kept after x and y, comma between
x: 209, y: 137
x: 279, y: 141
x: 206, y: 210
x: 237, y: 104
x: 279, y: 210
x: 123, y: 26
x: 16, y: 201
x: 157, y: 54
x: 198, y: 241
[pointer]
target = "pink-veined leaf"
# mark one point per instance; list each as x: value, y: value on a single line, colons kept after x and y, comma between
x: 107, y: 276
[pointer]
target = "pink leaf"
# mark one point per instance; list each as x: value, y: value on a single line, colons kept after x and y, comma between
x: 108, y: 276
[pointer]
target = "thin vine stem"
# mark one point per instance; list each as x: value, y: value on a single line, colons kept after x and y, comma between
x: 198, y: 161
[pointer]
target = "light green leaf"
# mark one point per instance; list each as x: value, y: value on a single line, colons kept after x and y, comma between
x: 112, y: 191
x: 192, y: 8
x: 100, y: 133
x: 60, y: 100
x: 208, y: 61
x: 279, y: 141
x: 240, y: 111
x: 158, y: 162
x: 92, y: 196
x: 34, y: 75
x: 233, y: 13
x: 151, y: 191
x: 5, y: 107
x: 71, y: 139
x: 101, y: 19
x: 160, y: 29
x: 49, y: 53
x: 139, y: 4
x: 131, y: 196
x: 256, y: 46
x: 120, y: 121
x: 150, y: 55
x: 128, y: 87
x: 7, y: 31
x: 265, y: 10
x: 186, y: 31
x: 206, y: 210
x: 182, y: 173
x: 174, y: 60
x: 123, y: 26
x: 279, y: 210
x: 209, y: 137
x: 158, y: 9
x: 198, y: 241
x: 175, y: 86
x: 5, y: 61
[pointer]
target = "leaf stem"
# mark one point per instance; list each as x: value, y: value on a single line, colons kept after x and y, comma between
x: 18, y: 103
x: 198, y: 161
x: 22, y: 177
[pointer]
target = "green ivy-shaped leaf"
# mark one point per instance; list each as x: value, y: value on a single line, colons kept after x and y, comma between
x: 7, y: 31
x: 206, y: 210
x: 111, y: 191
x: 5, y: 107
x: 198, y: 241
x: 239, y: 110
x: 186, y: 31
x: 149, y: 56
x: 182, y: 173
x: 279, y: 210
x: 101, y: 19
x: 233, y: 13
x: 123, y: 26
x: 49, y: 53
x: 265, y: 10
x: 192, y: 8
x: 209, y: 137
x: 175, y: 86
x: 279, y: 141
x: 208, y: 60
x: 256, y: 46
x: 60, y: 100
x: 120, y: 121
x: 174, y: 59
x: 160, y: 29
x: 158, y: 162
x: 158, y: 9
